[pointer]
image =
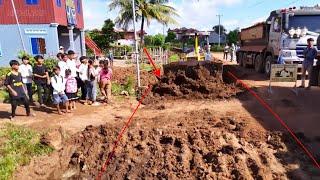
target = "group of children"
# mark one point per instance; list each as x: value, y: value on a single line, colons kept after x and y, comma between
x: 67, y: 77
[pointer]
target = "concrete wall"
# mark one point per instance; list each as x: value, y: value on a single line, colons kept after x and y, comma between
x: 11, y: 43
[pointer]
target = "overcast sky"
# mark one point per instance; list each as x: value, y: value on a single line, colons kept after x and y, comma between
x: 199, y: 14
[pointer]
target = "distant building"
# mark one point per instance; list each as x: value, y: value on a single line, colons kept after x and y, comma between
x: 186, y: 33
x: 182, y: 33
x: 45, y: 25
x: 127, y: 37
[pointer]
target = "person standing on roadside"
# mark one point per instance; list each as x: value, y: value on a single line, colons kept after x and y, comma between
x: 26, y: 72
x: 310, y: 53
x: 92, y: 84
x: 71, y: 63
x: 226, y: 51
x: 63, y: 64
x: 83, y: 76
x: 110, y: 57
x: 17, y: 91
x: 42, y: 80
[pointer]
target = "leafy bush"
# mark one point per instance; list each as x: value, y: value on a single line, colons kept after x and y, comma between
x: 174, y: 58
x: 19, y: 145
x: 4, y: 71
x: 117, y: 88
x: 216, y: 48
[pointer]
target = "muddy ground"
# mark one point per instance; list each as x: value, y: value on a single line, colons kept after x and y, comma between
x: 180, y: 137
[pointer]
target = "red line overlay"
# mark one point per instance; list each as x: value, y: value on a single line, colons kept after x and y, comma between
x: 124, y: 128
x: 264, y: 104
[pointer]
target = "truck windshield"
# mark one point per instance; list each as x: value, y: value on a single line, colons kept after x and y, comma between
x: 312, y: 22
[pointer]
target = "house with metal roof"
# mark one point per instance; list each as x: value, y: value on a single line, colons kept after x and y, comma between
x: 40, y: 27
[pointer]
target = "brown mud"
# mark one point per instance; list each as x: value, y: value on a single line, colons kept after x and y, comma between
x: 188, y: 143
x: 202, y: 80
x: 197, y: 144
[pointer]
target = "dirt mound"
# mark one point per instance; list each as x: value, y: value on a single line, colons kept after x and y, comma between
x: 197, y: 144
x: 199, y: 80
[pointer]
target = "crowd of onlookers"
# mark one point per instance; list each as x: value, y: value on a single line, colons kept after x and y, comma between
x: 61, y: 85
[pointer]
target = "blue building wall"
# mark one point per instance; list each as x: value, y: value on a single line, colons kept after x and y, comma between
x: 10, y: 43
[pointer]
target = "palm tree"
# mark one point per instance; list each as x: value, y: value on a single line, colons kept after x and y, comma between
x: 147, y: 10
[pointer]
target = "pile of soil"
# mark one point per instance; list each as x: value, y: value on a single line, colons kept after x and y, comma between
x: 202, y: 80
x: 194, y: 145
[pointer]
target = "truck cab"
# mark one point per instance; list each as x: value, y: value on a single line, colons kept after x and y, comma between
x: 284, y: 36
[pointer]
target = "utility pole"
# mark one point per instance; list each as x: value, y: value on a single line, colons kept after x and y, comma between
x: 136, y: 43
x: 219, y: 16
x: 18, y: 24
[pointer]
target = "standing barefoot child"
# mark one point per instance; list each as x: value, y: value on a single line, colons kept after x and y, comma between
x: 71, y: 89
x: 59, y: 85
x: 18, y: 92
x: 105, y: 82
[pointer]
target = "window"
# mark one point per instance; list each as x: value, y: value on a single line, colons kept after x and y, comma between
x: 79, y: 6
x: 58, y: 3
x: 31, y: 2
x: 277, y: 24
x: 38, y: 46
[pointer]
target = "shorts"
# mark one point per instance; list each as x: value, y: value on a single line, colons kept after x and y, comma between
x: 57, y: 99
x: 72, y: 96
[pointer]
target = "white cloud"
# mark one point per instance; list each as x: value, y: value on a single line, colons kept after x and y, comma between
x: 95, y: 12
x: 199, y: 14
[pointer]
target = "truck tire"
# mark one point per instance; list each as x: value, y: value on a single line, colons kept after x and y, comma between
x: 240, y: 56
x: 258, y: 64
x: 244, y: 63
x: 267, y: 66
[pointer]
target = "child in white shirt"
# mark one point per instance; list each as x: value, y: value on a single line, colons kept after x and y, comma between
x: 59, y: 85
x: 26, y: 72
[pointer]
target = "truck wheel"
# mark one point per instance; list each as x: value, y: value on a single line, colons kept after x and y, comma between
x: 240, y: 59
x: 258, y: 65
x: 244, y: 63
x: 267, y: 67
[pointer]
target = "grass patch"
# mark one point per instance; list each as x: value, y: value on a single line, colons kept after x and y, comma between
x: 174, y: 58
x: 117, y: 88
x: 17, y: 146
x: 4, y: 96
x: 4, y: 71
x: 146, y: 67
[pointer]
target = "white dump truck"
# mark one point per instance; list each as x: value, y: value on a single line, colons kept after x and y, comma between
x: 284, y: 34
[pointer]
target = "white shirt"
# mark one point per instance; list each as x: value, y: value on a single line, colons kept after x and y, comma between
x: 83, y: 72
x: 26, y: 73
x: 71, y: 64
x: 63, y: 67
x: 59, y: 84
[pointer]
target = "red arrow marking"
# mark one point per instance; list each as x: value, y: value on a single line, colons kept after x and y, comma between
x: 264, y: 104
x: 156, y: 71
x: 124, y: 128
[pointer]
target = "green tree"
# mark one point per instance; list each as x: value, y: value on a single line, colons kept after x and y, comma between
x: 148, y: 40
x: 232, y: 36
x: 104, y: 37
x: 147, y: 10
x: 158, y: 40
x: 223, y: 30
x: 170, y: 37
